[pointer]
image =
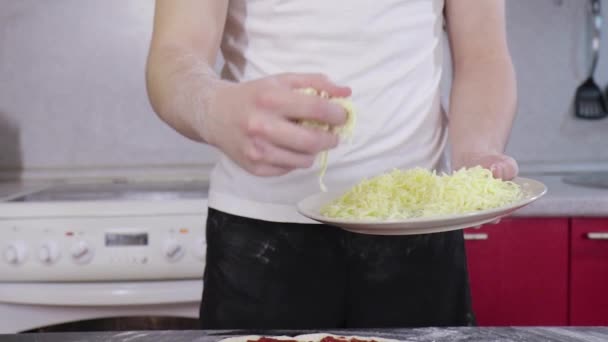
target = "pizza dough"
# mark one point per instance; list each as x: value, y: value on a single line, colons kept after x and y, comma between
x: 307, y: 338
x: 321, y: 336
x: 255, y: 338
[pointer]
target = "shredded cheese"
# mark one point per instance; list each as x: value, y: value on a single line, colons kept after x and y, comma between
x: 345, y: 131
x: 421, y: 193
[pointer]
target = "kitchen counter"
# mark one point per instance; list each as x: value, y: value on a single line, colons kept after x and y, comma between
x: 561, y: 200
x: 566, y: 200
x: 470, y: 334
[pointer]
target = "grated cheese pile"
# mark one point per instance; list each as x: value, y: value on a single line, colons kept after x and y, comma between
x: 421, y: 193
x: 345, y: 131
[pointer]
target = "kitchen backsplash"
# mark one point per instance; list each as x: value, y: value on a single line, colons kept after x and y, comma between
x: 72, y: 93
x: 550, y: 45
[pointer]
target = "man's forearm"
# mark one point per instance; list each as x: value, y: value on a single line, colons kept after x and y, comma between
x: 181, y: 85
x: 482, y: 108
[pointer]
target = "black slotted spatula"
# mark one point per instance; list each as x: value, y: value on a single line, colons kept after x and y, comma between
x: 590, y: 102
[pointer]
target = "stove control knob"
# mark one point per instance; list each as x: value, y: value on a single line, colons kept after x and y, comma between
x: 15, y: 253
x: 200, y: 249
x: 81, y: 252
x: 173, y: 250
x: 48, y: 253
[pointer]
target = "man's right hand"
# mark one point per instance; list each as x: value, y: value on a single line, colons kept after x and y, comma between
x: 255, y: 123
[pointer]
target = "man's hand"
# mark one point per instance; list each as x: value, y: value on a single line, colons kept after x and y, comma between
x: 501, y: 165
x: 256, y: 123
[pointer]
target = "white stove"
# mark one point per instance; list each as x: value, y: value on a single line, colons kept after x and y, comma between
x: 74, y: 251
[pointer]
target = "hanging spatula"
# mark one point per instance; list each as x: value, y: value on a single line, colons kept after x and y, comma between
x: 589, y: 101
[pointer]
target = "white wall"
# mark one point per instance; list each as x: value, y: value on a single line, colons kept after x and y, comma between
x: 72, y: 92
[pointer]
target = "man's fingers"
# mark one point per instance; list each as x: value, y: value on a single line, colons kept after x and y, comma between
x: 511, y: 169
x: 263, y: 170
x: 298, y: 106
x: 253, y: 162
x: 294, y: 137
x: 281, y: 139
x: 319, y: 82
x: 305, y: 107
x: 506, y: 168
x: 282, y: 158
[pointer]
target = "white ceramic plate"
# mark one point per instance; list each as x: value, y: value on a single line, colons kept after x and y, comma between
x: 311, y: 206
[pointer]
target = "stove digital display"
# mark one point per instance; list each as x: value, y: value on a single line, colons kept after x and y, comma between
x: 126, y: 239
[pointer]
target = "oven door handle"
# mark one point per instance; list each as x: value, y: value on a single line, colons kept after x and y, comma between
x: 102, y: 294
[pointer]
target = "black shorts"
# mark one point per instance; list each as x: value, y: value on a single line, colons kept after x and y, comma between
x: 266, y: 275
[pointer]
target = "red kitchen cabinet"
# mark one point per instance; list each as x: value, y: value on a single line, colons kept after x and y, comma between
x: 519, y: 272
x: 589, y: 272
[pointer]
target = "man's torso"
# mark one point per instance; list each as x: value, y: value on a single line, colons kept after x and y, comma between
x: 387, y: 51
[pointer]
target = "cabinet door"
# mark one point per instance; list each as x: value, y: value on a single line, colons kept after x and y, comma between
x: 589, y: 272
x: 519, y: 271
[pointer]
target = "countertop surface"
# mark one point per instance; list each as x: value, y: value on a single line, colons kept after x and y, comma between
x: 564, y: 199
x: 531, y: 334
x: 561, y: 199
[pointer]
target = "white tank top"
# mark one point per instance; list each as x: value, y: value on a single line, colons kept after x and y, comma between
x: 387, y: 51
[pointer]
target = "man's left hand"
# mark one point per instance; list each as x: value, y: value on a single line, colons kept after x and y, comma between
x: 501, y: 165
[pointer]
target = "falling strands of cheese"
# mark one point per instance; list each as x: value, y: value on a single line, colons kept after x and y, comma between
x: 345, y: 131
